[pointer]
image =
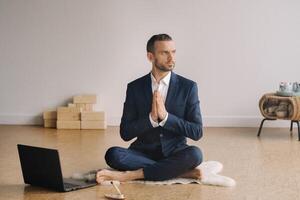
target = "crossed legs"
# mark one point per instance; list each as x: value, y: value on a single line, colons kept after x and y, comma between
x: 133, y: 165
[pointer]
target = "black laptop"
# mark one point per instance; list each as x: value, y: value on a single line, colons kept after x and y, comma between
x: 41, y: 167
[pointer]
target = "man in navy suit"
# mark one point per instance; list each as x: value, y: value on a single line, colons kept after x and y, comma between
x: 161, y: 110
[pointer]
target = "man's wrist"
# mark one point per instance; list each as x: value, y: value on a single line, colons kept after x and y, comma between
x: 162, y: 123
x: 154, y: 123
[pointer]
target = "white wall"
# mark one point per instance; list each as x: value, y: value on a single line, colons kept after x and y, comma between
x: 236, y: 50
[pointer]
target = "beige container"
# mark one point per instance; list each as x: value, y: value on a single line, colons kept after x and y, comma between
x: 293, y: 104
x: 90, y: 99
x: 68, y: 124
x: 93, y: 125
x: 50, y: 123
x: 50, y: 115
x: 93, y: 116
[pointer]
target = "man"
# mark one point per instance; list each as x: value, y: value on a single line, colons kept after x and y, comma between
x: 161, y: 110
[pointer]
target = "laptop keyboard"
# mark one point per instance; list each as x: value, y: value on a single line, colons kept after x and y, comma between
x: 70, y: 185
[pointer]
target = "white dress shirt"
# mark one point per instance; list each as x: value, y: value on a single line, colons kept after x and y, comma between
x: 162, y: 86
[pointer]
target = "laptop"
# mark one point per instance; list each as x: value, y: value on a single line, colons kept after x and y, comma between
x: 41, y: 167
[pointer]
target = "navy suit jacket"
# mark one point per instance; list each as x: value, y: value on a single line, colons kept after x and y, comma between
x: 184, y: 120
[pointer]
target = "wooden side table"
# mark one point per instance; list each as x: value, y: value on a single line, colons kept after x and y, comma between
x: 274, y: 107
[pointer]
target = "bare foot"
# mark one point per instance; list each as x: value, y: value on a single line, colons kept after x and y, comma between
x: 194, y: 173
x: 108, y: 175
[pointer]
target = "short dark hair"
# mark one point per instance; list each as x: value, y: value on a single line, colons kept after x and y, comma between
x: 154, y: 38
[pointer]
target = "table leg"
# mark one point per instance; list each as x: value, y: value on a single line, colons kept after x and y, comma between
x: 297, y: 122
x: 261, y: 125
x: 291, y: 127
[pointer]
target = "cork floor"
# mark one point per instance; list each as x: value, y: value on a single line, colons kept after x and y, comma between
x: 264, y: 168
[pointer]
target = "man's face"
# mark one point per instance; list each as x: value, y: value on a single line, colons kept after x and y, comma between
x: 163, y: 57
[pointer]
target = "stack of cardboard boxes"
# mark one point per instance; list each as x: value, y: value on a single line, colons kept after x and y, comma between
x: 68, y: 118
x: 93, y: 120
x: 50, y: 118
x: 78, y: 115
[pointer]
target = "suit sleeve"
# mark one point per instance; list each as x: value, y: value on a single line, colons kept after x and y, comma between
x: 191, y: 126
x: 131, y: 124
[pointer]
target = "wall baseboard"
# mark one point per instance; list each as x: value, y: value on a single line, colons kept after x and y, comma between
x: 208, y: 121
x: 21, y: 119
x: 241, y: 121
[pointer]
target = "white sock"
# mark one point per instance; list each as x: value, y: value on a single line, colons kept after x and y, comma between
x: 216, y: 179
x: 210, y: 167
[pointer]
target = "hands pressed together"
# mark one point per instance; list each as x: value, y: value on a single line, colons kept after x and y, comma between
x: 158, y: 112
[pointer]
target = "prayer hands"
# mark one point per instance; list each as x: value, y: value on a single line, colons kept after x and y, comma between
x: 154, y: 114
x: 160, y: 107
x: 158, y: 112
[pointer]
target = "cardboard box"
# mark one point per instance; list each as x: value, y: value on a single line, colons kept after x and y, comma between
x: 68, y: 116
x: 91, y: 99
x: 89, y: 107
x: 92, y: 116
x: 85, y: 106
x: 68, y: 124
x: 71, y: 105
x: 50, y: 123
x: 50, y: 115
x: 68, y: 109
x: 93, y: 125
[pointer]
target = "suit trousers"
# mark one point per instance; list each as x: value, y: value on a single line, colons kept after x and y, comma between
x: 156, y: 167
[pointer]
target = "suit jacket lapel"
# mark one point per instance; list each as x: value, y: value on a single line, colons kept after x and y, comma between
x: 148, y: 90
x: 171, y: 91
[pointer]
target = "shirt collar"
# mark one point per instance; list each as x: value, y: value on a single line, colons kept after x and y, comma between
x: 165, y: 80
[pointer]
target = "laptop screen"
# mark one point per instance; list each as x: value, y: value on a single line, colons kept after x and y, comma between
x: 41, y: 167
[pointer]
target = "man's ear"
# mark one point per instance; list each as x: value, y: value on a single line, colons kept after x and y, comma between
x: 150, y: 56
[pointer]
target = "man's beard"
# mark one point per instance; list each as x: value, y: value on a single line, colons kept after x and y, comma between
x: 164, y: 68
